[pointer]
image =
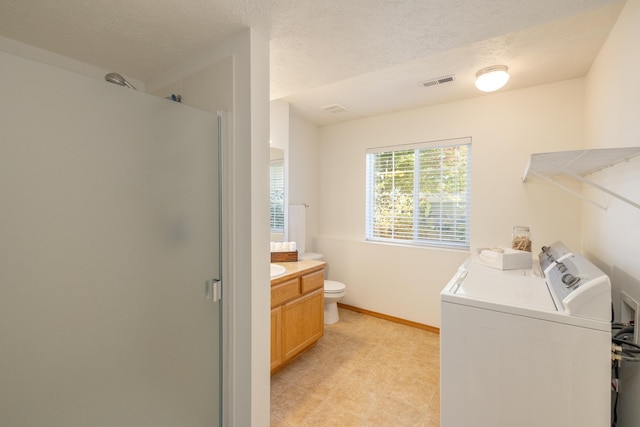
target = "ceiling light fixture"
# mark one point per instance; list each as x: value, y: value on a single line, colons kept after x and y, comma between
x: 492, y: 78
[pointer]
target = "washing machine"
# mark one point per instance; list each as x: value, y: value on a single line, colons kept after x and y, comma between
x: 527, y: 347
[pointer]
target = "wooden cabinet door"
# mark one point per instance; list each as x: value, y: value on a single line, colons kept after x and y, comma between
x: 276, y: 337
x: 302, y: 322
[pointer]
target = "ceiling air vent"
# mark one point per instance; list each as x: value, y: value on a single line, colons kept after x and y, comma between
x: 334, y: 108
x: 438, y: 81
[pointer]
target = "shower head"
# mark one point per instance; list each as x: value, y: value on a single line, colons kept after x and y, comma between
x: 118, y: 79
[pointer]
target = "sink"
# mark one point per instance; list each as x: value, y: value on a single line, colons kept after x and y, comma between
x: 277, y: 270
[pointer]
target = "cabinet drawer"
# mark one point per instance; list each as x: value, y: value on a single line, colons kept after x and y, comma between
x: 312, y: 281
x: 284, y: 292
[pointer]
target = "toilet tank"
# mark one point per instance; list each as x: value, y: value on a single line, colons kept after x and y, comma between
x: 310, y: 256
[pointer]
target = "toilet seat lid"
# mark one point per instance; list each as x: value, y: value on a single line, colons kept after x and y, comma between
x: 333, y: 287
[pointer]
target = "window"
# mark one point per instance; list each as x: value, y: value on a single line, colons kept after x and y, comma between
x: 276, y: 199
x: 420, y: 193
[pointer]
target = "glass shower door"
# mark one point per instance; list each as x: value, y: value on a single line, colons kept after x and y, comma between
x: 110, y: 236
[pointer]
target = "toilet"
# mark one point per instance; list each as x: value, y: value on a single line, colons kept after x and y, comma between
x: 333, y: 291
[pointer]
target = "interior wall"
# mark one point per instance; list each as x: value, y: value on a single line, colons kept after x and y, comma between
x: 300, y: 140
x: 234, y: 76
x: 207, y: 89
x: 59, y: 61
x: 279, y: 124
x: 506, y: 128
x: 304, y: 146
x: 611, y: 237
x: 279, y: 139
x: 255, y: 105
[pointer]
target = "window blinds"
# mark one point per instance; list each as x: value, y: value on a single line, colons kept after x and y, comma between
x: 276, y: 197
x: 420, y: 193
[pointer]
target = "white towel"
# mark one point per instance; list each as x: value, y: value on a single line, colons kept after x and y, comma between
x: 297, y: 225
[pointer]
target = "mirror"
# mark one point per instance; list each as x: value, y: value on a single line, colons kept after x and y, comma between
x: 276, y: 195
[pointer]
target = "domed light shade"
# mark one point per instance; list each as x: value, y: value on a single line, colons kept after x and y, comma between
x: 492, y: 78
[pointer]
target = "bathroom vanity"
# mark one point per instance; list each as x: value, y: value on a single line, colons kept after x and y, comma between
x: 297, y: 310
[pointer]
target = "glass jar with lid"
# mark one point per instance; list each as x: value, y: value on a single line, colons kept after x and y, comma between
x: 521, y: 238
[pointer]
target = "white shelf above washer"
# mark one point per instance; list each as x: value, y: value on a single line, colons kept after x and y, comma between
x: 578, y: 164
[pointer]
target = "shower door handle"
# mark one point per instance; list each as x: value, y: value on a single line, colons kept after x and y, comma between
x: 213, y: 289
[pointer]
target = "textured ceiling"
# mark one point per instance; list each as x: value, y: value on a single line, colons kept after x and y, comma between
x: 368, y: 55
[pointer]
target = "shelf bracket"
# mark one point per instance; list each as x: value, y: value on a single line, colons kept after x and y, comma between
x: 568, y: 190
x: 603, y: 189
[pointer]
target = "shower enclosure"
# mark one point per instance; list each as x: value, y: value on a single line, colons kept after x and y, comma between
x: 109, y: 240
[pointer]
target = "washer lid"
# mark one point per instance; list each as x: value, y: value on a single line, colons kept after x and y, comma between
x: 513, y: 287
x: 333, y: 287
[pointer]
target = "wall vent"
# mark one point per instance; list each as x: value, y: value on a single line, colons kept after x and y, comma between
x: 438, y: 81
x: 334, y: 108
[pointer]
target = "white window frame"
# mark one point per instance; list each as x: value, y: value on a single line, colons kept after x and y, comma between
x: 461, y: 241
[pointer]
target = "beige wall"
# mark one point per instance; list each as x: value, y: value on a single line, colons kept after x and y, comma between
x: 279, y: 140
x: 505, y: 129
x: 207, y: 89
x: 300, y: 140
x: 612, y: 120
x: 59, y: 61
x: 304, y: 185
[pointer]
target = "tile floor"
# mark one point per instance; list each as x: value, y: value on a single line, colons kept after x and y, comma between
x: 364, y: 372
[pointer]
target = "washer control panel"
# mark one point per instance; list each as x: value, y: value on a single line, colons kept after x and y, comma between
x: 578, y: 287
x: 552, y: 254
